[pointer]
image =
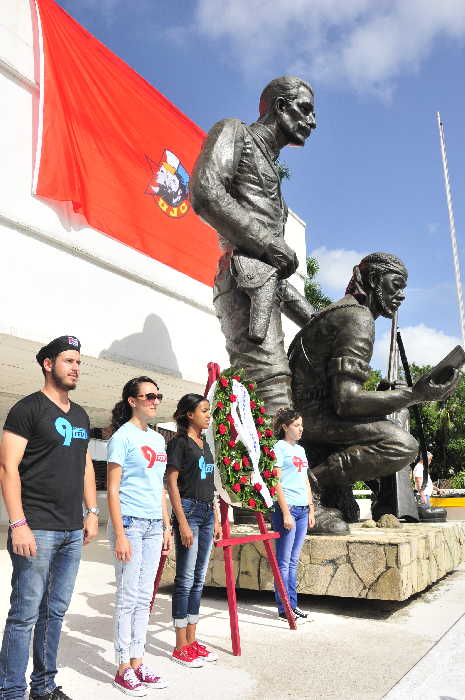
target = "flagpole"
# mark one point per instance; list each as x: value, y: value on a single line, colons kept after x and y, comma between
x: 453, y: 237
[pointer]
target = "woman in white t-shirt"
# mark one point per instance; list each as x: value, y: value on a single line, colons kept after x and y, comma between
x: 427, y: 492
x: 138, y: 527
x: 294, y: 512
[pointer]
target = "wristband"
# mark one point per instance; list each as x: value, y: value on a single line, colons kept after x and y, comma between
x: 18, y: 523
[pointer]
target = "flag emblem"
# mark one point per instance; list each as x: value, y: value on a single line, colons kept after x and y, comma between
x: 169, y: 185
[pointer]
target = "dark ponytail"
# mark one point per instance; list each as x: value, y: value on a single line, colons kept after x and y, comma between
x: 187, y: 404
x: 122, y: 411
x: 285, y: 416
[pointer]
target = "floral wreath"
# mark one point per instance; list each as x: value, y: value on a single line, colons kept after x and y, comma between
x: 232, y: 457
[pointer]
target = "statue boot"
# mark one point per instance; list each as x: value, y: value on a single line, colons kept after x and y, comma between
x: 333, y: 507
x: 431, y: 514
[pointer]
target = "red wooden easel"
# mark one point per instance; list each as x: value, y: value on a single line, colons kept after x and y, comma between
x: 228, y: 543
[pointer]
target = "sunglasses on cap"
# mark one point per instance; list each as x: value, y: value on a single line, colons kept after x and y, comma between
x: 150, y: 397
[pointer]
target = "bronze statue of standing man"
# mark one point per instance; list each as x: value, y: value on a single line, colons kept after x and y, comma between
x: 236, y: 189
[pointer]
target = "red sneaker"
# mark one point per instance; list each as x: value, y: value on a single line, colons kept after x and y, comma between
x: 187, y: 657
x: 202, y: 652
x: 149, y: 678
x: 129, y: 684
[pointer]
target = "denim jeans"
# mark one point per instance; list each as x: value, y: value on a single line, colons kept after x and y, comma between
x: 288, y: 548
x: 134, y: 585
x: 42, y: 587
x: 191, y: 562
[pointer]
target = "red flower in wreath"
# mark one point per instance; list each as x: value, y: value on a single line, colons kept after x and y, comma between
x: 272, y: 454
x: 224, y: 382
x: 230, y: 419
x: 272, y: 491
x: 222, y: 429
x: 243, y: 479
x: 253, y: 405
x: 275, y: 472
x: 231, y: 443
x: 236, y: 488
x: 260, y: 420
x: 262, y: 409
x: 245, y: 461
x: 251, y: 503
x: 268, y: 433
x: 259, y: 435
x: 226, y: 460
x: 266, y: 449
x: 237, y: 467
x: 220, y: 404
x: 251, y: 387
x: 267, y: 474
x: 257, y: 487
x: 237, y: 378
x: 232, y: 397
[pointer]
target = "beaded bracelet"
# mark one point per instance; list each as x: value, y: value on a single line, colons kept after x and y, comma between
x: 18, y: 523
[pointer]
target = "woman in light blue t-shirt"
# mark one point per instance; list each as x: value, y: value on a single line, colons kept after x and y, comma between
x: 294, y: 512
x: 138, y: 527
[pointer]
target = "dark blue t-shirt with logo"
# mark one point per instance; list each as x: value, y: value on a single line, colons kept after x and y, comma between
x: 53, y: 465
x: 195, y: 466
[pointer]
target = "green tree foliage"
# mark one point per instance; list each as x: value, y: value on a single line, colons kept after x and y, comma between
x: 373, y: 380
x: 313, y: 291
x: 444, y: 427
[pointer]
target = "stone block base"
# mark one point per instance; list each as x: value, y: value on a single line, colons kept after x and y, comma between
x: 368, y: 563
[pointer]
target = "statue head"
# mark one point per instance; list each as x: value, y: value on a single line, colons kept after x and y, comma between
x: 378, y: 282
x: 289, y: 102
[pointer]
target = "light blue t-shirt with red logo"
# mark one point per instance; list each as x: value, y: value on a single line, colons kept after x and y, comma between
x: 292, y: 461
x: 142, y: 457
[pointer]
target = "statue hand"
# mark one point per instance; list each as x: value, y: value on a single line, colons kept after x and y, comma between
x: 282, y: 257
x: 426, y: 390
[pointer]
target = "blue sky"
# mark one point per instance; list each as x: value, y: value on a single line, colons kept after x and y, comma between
x: 370, y: 176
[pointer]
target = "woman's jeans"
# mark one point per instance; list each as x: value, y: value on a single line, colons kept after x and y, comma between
x: 41, y: 590
x: 288, y: 548
x: 134, y: 585
x: 191, y: 562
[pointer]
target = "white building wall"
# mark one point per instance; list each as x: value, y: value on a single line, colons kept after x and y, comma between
x: 60, y: 276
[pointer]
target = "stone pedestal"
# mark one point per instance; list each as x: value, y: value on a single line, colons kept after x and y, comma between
x: 368, y: 563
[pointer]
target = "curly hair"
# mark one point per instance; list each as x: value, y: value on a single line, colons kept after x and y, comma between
x: 186, y: 404
x: 122, y: 411
x: 284, y: 417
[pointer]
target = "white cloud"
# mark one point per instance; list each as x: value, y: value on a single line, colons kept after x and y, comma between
x: 336, y: 268
x: 362, y: 42
x: 423, y: 345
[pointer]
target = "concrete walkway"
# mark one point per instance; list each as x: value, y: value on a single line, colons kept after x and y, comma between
x: 352, y: 650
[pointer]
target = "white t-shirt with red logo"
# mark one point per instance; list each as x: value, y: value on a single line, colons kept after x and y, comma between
x: 292, y: 461
x: 142, y: 457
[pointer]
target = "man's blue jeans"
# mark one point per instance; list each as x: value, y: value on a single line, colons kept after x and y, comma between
x: 288, y: 548
x: 42, y: 587
x: 191, y: 562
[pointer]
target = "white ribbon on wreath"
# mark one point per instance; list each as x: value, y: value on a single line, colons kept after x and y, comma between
x: 246, y: 433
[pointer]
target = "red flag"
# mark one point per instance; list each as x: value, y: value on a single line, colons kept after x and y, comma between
x: 117, y: 149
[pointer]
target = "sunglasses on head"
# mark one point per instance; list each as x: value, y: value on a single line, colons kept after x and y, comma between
x: 150, y: 397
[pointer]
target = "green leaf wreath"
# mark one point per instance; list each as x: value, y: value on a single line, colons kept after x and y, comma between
x: 232, y: 457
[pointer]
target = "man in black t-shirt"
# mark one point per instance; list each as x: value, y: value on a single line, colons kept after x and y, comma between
x: 46, y: 473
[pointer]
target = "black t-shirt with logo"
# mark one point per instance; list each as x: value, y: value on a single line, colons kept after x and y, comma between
x: 195, y: 466
x: 53, y: 465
